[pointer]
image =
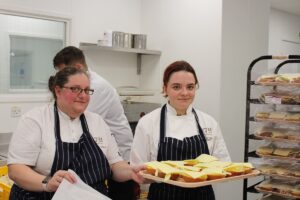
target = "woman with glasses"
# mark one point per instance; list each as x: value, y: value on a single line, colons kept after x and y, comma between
x: 53, y: 138
x: 177, y: 131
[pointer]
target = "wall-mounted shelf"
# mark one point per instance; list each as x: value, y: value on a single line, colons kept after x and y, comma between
x: 94, y: 47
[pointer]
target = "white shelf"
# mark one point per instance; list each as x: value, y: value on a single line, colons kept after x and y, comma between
x: 94, y: 47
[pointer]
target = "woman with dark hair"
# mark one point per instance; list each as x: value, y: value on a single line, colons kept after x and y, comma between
x: 177, y: 131
x: 62, y: 135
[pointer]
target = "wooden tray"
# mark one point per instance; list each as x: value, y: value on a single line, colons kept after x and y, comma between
x: 199, y: 184
x: 278, y: 157
x: 276, y: 193
x: 276, y: 139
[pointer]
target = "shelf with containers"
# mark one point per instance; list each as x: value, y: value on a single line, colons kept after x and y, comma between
x: 139, y: 52
x: 272, y: 129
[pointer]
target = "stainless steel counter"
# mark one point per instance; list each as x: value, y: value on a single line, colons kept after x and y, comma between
x: 4, y: 143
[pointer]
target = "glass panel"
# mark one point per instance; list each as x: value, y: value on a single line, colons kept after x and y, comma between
x: 28, y: 46
x: 31, y: 61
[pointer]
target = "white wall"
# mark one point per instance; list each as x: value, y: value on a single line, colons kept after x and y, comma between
x: 284, y: 38
x: 283, y: 26
x: 187, y: 30
x: 9, y: 123
x: 244, y: 38
x: 92, y: 17
x: 42, y: 7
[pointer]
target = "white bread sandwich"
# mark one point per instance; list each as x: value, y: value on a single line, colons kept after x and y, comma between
x: 215, y: 173
x: 162, y: 170
x: 217, y: 163
x: 239, y: 168
x: 180, y: 165
x: 191, y: 176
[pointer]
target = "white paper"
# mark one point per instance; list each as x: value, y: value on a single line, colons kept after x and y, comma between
x: 77, y: 191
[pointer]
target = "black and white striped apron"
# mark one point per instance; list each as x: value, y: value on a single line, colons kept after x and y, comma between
x: 174, y: 149
x: 85, y: 158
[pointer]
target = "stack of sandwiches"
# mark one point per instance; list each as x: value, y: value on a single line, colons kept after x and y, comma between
x: 281, y: 170
x: 280, y: 98
x: 278, y: 116
x: 268, y: 78
x: 294, y: 136
x: 279, y: 78
x: 279, y: 152
x: 278, y: 133
x: 202, y: 168
x: 279, y: 187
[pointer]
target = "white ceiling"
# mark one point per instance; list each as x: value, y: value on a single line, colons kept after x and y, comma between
x: 290, y: 6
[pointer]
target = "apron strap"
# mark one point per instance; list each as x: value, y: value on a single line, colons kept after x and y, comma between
x: 56, y: 123
x: 84, y: 124
x: 162, y: 122
x: 200, y: 130
x: 197, y: 120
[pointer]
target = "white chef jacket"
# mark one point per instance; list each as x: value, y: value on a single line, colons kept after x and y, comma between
x: 33, y: 141
x: 105, y: 102
x: 147, y: 134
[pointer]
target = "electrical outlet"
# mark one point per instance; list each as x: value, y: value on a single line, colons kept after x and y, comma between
x: 15, y: 111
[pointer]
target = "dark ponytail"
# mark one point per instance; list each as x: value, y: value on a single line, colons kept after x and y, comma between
x: 51, y: 85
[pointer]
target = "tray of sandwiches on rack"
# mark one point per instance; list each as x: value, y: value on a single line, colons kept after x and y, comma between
x: 280, y: 188
x: 201, y: 171
x: 281, y: 97
x: 271, y: 151
x: 278, y: 116
x: 283, y: 176
x: 273, y: 197
x: 279, y: 79
x: 281, y: 170
x: 278, y: 134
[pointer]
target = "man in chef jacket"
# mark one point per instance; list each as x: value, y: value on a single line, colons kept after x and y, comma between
x: 105, y: 102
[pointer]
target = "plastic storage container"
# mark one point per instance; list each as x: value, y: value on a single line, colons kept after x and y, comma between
x: 4, y: 188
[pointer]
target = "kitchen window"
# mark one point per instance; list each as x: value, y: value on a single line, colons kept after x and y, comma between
x: 28, y: 46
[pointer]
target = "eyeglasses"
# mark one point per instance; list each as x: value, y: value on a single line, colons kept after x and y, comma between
x: 78, y: 90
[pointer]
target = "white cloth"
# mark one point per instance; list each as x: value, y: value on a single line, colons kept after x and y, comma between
x: 77, y: 191
x: 105, y: 102
x: 33, y: 141
x: 147, y: 133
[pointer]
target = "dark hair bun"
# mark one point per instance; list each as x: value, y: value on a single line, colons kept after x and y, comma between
x: 51, y: 83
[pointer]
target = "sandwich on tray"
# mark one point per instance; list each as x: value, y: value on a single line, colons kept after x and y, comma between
x: 162, y: 170
x: 236, y: 169
x: 203, y: 158
x: 204, y: 167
